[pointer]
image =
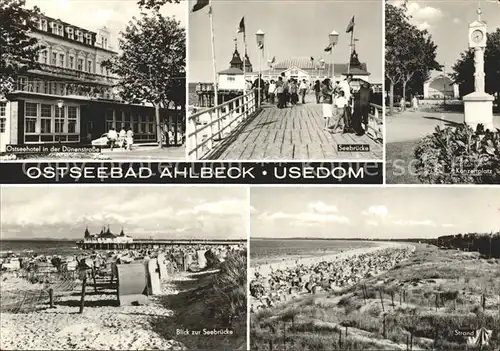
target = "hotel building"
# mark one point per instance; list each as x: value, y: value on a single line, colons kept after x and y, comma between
x: 71, y: 97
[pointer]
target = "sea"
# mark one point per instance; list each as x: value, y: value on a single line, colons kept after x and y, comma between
x: 40, y: 247
x: 273, y: 250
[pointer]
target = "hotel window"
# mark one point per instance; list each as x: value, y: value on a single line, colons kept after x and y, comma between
x: 31, y: 117
x: 43, y: 56
x: 79, y: 36
x: 72, y: 119
x: 53, y: 60
x: 102, y: 70
x: 59, y: 120
x: 80, y: 64
x: 3, y: 116
x: 88, y: 39
x: 71, y: 33
x: 46, y: 119
x: 61, y: 60
x: 89, y: 66
x: 71, y: 62
x: 22, y: 83
x: 151, y: 124
x: 110, y: 123
x: 37, y: 85
x: 231, y: 79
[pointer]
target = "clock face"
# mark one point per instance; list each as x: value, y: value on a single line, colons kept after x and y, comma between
x: 477, y: 36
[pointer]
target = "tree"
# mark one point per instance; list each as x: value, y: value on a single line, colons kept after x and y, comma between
x: 155, y: 4
x: 410, y: 52
x: 464, y: 67
x: 18, y: 51
x: 152, y: 63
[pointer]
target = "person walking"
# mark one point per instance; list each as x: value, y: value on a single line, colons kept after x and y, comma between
x: 414, y: 103
x: 294, y: 96
x: 303, y: 90
x: 286, y: 93
x: 280, y: 92
x: 130, y: 139
x: 341, y: 104
x: 272, y: 92
x: 112, y: 137
x: 256, y: 86
x: 317, y: 91
x: 345, y: 86
x: 122, y: 138
x: 402, y: 104
x: 266, y: 91
x: 327, y: 91
x: 365, y: 96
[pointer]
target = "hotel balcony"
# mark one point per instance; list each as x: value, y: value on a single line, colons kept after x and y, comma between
x: 75, y: 90
x: 73, y: 74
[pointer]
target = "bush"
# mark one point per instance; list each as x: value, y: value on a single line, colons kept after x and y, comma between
x: 459, y: 155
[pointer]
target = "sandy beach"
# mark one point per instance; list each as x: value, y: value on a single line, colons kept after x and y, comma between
x: 101, y: 326
x: 265, y: 269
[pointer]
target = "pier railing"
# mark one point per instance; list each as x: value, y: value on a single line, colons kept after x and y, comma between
x: 208, y: 127
x: 376, y: 122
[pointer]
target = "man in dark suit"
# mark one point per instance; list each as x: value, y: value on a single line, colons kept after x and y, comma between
x: 256, y: 86
x: 365, y: 97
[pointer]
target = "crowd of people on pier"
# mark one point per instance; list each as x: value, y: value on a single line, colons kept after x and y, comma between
x: 344, y: 109
x: 282, y: 285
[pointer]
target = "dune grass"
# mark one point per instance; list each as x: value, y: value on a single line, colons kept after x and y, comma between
x: 422, y: 301
x: 216, y: 301
x: 400, y: 167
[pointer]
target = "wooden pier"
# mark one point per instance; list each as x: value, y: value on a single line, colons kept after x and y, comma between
x: 152, y: 244
x: 269, y: 133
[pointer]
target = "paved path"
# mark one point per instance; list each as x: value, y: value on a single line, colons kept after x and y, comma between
x: 147, y: 153
x: 293, y: 133
x: 408, y: 126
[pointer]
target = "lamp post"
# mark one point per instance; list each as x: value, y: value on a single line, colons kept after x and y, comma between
x: 334, y: 38
x: 260, y: 44
x: 60, y: 105
x: 322, y: 65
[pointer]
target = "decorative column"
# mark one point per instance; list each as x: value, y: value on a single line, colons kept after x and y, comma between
x: 478, y: 106
x: 426, y: 90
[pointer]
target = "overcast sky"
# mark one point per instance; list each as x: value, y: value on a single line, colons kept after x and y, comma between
x: 370, y: 212
x: 144, y: 212
x: 448, y: 21
x: 292, y: 29
x: 94, y: 14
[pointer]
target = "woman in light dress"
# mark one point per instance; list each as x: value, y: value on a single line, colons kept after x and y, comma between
x: 122, y: 138
x: 130, y: 139
x: 414, y: 103
x: 327, y: 91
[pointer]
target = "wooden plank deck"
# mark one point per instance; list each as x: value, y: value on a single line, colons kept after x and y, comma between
x: 293, y: 133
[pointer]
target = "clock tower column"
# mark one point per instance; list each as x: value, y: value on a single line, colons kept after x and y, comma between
x: 478, y: 106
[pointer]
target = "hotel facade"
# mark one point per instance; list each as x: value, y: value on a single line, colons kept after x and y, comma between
x: 71, y: 97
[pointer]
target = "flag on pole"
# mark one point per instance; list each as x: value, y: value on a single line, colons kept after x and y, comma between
x: 273, y: 60
x: 350, y: 26
x: 329, y: 48
x: 241, y: 27
x: 260, y: 45
x: 312, y: 58
x: 200, y: 4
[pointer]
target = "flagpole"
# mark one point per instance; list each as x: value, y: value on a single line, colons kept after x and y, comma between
x: 245, y: 62
x: 216, y: 95
x: 261, y: 53
x: 331, y: 65
x: 350, y: 53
